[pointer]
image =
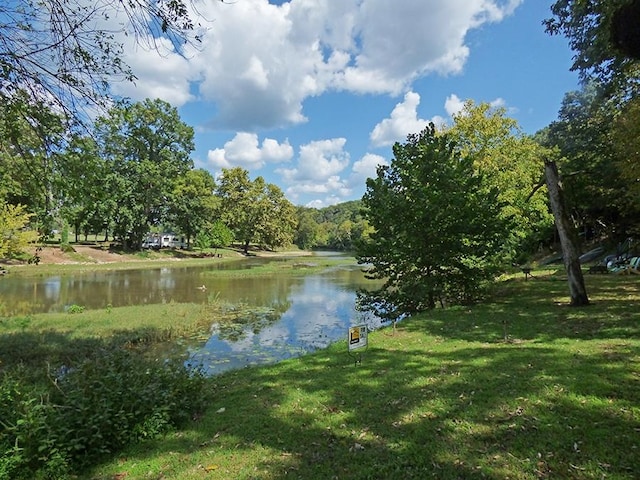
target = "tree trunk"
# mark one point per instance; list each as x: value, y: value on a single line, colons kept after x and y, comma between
x: 568, y: 237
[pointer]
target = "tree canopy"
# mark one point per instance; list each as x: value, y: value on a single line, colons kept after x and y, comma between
x: 32, y: 136
x: 436, y: 228
x: 595, y: 138
x: 192, y: 204
x: 599, y: 32
x: 511, y: 163
x: 625, y: 134
x: 335, y: 227
x: 146, y: 147
x: 256, y: 211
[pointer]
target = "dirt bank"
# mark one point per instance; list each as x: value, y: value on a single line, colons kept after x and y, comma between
x: 89, y: 254
x: 82, y: 254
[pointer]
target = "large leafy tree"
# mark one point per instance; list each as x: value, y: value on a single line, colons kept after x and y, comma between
x: 256, y: 211
x: 510, y: 162
x: 306, y: 236
x: 625, y: 134
x: 218, y: 234
x: 594, y: 131
x: 32, y: 136
x: 89, y: 190
x: 147, y: 146
x: 593, y: 161
x: 277, y: 216
x: 193, y: 203
x: 437, y: 228
x: 237, y: 197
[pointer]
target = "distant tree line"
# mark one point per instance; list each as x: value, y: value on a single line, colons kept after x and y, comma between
x: 131, y: 175
x: 337, y: 227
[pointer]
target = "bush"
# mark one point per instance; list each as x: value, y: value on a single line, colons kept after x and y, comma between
x: 95, y: 409
x: 75, y: 308
x: 67, y: 248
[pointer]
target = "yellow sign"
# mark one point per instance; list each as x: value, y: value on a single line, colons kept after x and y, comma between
x: 357, y: 337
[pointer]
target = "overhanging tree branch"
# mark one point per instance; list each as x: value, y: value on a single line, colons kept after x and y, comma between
x: 66, y: 52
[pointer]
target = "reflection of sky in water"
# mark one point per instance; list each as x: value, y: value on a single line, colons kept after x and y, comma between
x: 295, y: 314
x: 321, y: 312
x: 52, y: 287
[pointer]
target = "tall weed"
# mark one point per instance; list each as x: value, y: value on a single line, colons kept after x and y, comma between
x: 96, y: 408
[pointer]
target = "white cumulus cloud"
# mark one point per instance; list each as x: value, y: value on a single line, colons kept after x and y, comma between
x: 403, y: 121
x: 258, y: 61
x: 318, y: 170
x: 366, y: 168
x: 453, y: 105
x: 318, y: 161
x: 244, y: 150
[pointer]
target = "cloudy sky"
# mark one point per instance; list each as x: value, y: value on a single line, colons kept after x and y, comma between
x: 312, y: 94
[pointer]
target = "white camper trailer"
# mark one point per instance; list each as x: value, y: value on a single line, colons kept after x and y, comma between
x: 169, y: 240
x: 164, y: 240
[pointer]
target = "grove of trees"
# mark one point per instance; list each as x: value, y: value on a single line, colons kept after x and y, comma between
x: 256, y: 211
x: 336, y: 227
x: 130, y: 175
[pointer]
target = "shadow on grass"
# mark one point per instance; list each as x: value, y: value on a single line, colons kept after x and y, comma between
x: 420, y: 407
x: 44, y: 349
x: 538, y: 310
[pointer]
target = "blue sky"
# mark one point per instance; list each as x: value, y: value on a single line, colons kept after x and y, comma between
x: 311, y: 94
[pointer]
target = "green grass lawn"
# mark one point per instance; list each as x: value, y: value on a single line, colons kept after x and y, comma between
x: 523, y: 387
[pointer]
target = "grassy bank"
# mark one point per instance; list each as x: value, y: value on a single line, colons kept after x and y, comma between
x: 520, y: 388
x: 36, y: 341
x: 55, y: 262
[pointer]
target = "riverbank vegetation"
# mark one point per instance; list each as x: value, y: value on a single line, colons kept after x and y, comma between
x: 521, y: 387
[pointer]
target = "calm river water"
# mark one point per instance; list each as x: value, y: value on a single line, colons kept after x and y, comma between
x: 291, y: 315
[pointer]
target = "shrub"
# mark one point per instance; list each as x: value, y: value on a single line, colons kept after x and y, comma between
x: 75, y: 308
x: 94, y: 409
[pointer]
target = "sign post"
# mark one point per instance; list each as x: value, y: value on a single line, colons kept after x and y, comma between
x: 357, y: 341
